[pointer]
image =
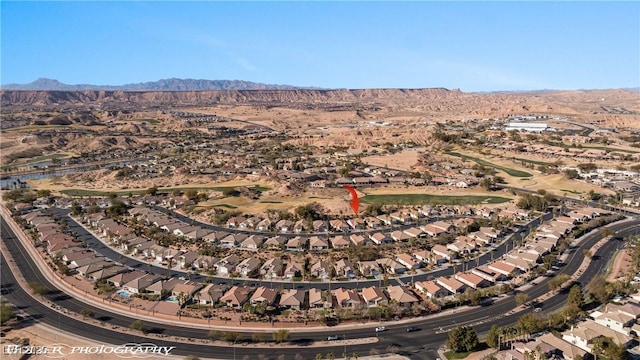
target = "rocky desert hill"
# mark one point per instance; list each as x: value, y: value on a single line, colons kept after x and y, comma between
x: 172, y: 84
x: 437, y: 100
x: 215, y: 97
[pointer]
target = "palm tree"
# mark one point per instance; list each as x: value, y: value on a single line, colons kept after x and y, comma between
x: 169, y: 265
x: 182, y: 298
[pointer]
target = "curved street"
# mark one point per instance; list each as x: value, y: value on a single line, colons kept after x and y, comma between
x: 100, y: 247
x: 481, y: 318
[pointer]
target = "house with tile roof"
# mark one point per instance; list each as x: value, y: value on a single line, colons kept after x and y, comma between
x: 401, y: 295
x: 293, y: 299
x: 264, y: 294
x: 431, y: 289
x: 347, y: 297
x: 236, y: 296
x: 374, y: 296
x: 450, y: 284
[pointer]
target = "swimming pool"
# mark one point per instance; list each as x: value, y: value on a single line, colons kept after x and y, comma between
x: 173, y: 299
x: 123, y: 294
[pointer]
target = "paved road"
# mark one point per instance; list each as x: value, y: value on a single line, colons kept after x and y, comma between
x: 420, y: 345
x: 110, y: 253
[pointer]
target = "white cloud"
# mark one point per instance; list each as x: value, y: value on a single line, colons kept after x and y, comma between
x: 489, y: 77
x: 245, y: 64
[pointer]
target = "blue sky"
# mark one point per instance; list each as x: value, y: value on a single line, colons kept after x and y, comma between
x: 474, y: 46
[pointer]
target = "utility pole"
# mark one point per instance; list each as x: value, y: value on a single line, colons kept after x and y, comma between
x: 344, y: 338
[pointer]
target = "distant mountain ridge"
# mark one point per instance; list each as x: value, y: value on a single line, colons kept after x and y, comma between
x: 173, y: 84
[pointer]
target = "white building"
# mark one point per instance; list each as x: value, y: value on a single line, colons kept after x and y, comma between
x: 527, y: 126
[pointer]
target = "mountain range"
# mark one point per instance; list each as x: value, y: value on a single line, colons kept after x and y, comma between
x: 172, y: 84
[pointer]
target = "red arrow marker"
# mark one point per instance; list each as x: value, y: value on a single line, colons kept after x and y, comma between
x: 355, y: 202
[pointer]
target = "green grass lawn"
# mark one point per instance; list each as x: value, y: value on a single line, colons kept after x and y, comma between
x: 590, y: 146
x: 423, y: 199
x: 512, y: 172
x: 83, y: 192
x: 606, y: 148
x: 228, y: 206
x: 35, y: 160
x: 451, y: 355
x: 533, y: 161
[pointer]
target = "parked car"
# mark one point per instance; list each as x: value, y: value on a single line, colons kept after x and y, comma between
x: 381, y: 328
x: 332, y: 337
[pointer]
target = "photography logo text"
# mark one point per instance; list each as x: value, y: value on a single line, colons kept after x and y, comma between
x: 58, y: 351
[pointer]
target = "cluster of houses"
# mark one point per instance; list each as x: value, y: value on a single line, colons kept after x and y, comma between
x: 94, y: 267
x: 517, y: 261
x: 67, y: 249
x: 618, y: 180
x: 251, y: 265
x: 618, y: 322
x: 553, y: 151
x: 237, y: 296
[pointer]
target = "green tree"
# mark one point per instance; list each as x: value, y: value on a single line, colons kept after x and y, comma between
x: 38, y: 288
x: 556, y: 321
x: 152, y: 191
x: 521, y: 298
x: 230, y: 336
x: 606, y: 347
x: 571, y: 173
x: 213, y: 334
x: 600, y: 289
x: 529, y: 323
x: 556, y: 282
x: 6, y: 313
x: 575, y: 297
x: 117, y: 208
x: 493, y: 337
x: 87, y: 312
x: 588, y: 167
x: 280, y: 336
x: 76, y: 209
x: 462, y: 339
x: 310, y: 212
x: 191, y: 194
x: 373, y: 210
x: 139, y: 325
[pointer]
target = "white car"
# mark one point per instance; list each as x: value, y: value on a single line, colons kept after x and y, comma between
x: 381, y: 329
x: 332, y: 337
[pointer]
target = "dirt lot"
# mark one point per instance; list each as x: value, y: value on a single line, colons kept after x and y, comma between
x: 401, y: 161
x: 621, y: 264
x: 42, y: 335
